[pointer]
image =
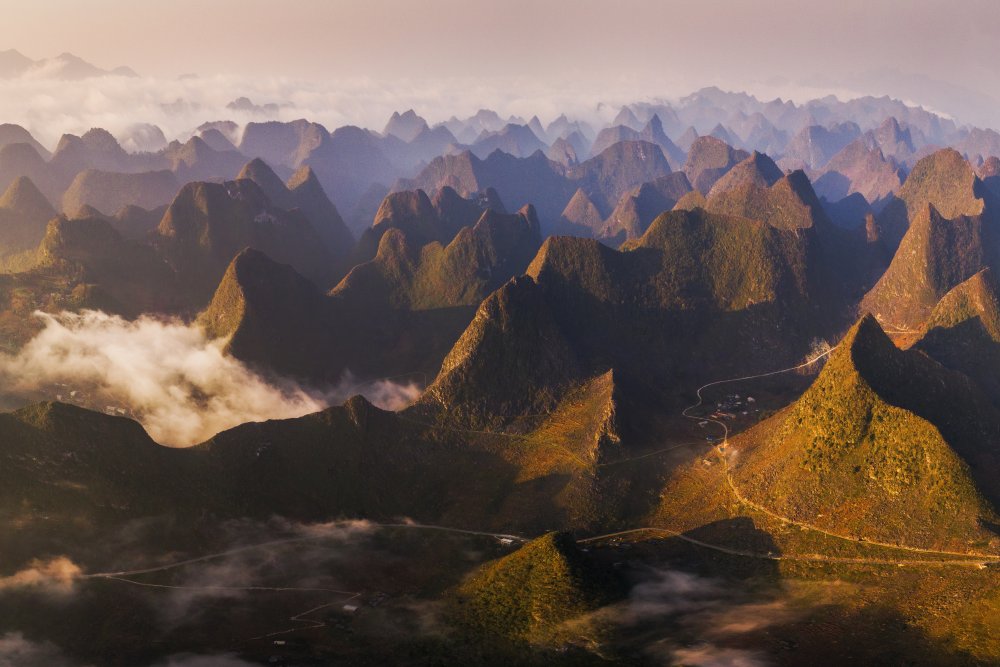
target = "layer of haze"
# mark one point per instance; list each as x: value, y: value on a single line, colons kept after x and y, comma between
x: 930, y: 52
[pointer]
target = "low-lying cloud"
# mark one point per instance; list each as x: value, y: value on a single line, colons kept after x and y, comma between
x: 298, y: 559
x: 384, y: 393
x: 712, y: 656
x: 50, y: 107
x: 719, y: 615
x: 18, y: 651
x: 166, y: 374
x: 56, y: 575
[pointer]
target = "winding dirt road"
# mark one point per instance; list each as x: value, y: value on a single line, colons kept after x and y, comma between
x: 949, y: 558
x: 291, y: 540
x: 979, y: 558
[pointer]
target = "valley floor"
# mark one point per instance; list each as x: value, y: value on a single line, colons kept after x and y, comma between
x: 714, y: 573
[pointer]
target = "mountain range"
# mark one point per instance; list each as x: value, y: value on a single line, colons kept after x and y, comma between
x: 65, y: 66
x: 716, y: 379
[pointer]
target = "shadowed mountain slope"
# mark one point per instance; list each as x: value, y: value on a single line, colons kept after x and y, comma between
x: 963, y: 331
x: 935, y: 255
x: 395, y: 314
x: 638, y: 207
x: 304, y: 192
x: 654, y: 313
x: 208, y: 223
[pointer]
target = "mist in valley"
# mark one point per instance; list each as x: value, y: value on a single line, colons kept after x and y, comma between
x: 170, y: 376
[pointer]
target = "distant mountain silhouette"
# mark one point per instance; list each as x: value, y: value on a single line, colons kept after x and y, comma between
x: 813, y: 146
x: 286, y: 144
x: 65, y: 66
x: 859, y: 168
x: 516, y: 140
x: 109, y: 192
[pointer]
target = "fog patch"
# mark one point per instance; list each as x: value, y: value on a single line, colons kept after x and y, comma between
x: 56, y: 575
x: 672, y: 592
x: 382, y: 393
x: 168, y: 375
x: 714, y: 616
x: 16, y: 651
x: 347, y: 529
x: 712, y: 656
x: 49, y: 107
x: 224, y: 580
x: 276, y: 556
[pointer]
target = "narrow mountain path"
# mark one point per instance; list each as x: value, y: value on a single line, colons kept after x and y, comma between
x: 808, y: 526
x: 224, y: 589
x: 720, y: 450
x: 817, y: 558
x: 951, y: 558
x: 291, y: 540
x: 305, y: 623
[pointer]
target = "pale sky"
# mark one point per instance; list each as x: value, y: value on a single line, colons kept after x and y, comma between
x: 934, y: 52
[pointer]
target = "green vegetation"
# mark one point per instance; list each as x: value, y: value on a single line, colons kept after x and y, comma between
x: 788, y: 203
x: 406, y: 307
x: 207, y: 224
x: 974, y: 299
x: 476, y: 261
x: 963, y: 332
x: 851, y: 522
x: 935, y: 255
x: 708, y: 160
x: 108, y: 192
x: 846, y: 459
x: 637, y: 208
x: 944, y: 180
x: 729, y: 262
x: 24, y: 214
x: 497, y: 371
x: 533, y: 593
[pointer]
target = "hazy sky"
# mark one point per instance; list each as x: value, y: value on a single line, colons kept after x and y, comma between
x: 935, y: 52
x: 460, y: 37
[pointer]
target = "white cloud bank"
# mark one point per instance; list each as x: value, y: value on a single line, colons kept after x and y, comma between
x: 166, y: 374
x: 48, y: 108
